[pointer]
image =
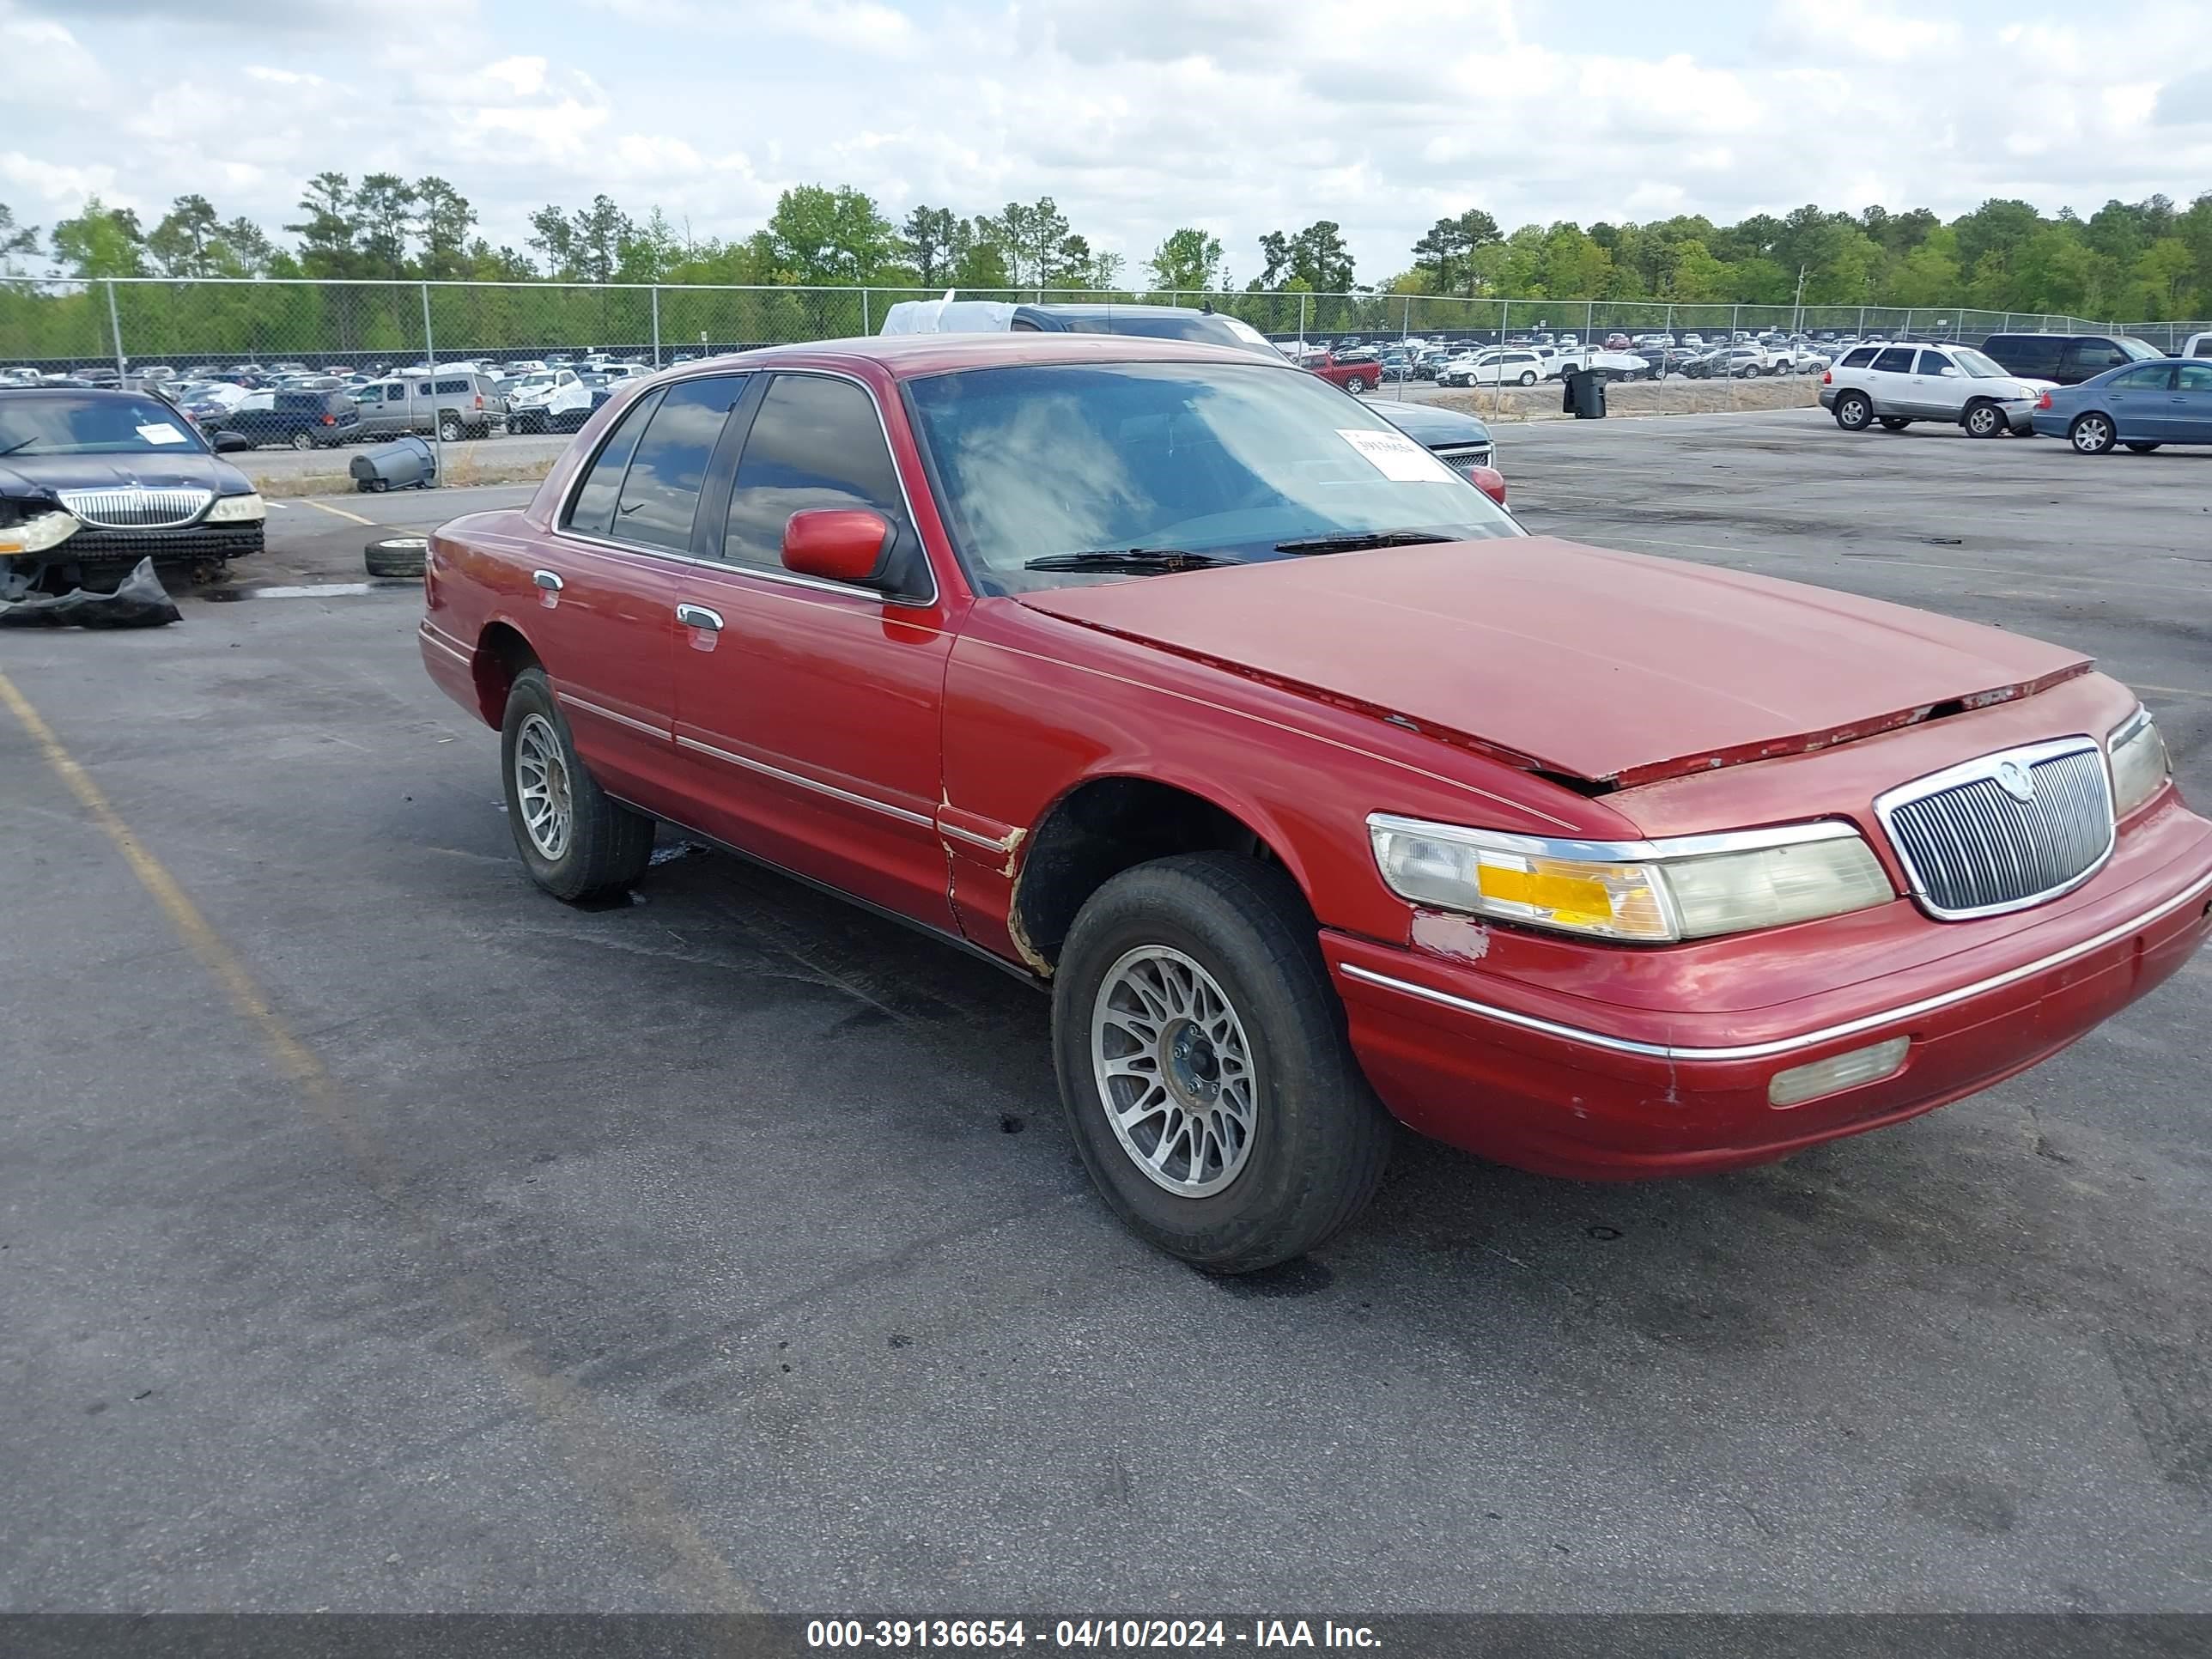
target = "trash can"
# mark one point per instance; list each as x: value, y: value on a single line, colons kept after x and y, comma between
x: 405, y: 464
x: 1585, y: 394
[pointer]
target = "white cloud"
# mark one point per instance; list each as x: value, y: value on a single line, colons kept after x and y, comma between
x: 1243, y: 117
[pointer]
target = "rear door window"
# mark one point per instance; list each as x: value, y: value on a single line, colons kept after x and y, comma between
x: 2193, y: 377
x: 1860, y: 358
x: 817, y: 442
x: 1898, y: 360
x: 592, y: 512
x: 2151, y: 377
x: 2095, y: 356
x: 660, y: 493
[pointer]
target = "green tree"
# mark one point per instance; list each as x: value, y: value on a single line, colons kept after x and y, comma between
x: 599, y: 232
x: 1033, y: 236
x: 1275, y: 252
x: 823, y: 235
x: 186, y: 241
x: 927, y: 241
x: 101, y: 241
x: 555, y: 239
x: 1187, y: 259
x: 17, y: 241
x: 444, y: 219
x: 1444, y: 255
x: 1697, y: 277
x: 385, y: 205
x: 978, y: 258
x: 1320, y: 260
x: 330, y: 234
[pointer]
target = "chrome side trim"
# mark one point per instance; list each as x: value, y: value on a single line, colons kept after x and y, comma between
x: 646, y: 727
x: 1624, y: 851
x: 2190, y: 894
x: 432, y: 637
x: 1004, y: 844
x: 830, y: 789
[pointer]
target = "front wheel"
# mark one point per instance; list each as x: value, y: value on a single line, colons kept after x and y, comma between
x: 1853, y: 411
x: 1204, y: 1066
x: 574, y: 840
x: 1985, y: 420
x: 1527, y: 377
x: 303, y: 439
x: 2092, y: 434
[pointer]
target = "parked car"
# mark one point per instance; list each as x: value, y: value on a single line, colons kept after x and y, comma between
x: 2197, y: 345
x: 552, y: 400
x: 304, y: 420
x: 1897, y: 384
x: 992, y: 637
x: 1499, y: 366
x: 2142, y: 406
x: 91, y: 481
x: 1461, y: 441
x: 453, y: 405
x: 1617, y: 342
x: 2066, y: 359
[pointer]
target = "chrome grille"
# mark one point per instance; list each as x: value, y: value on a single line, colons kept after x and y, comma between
x: 1464, y: 459
x: 2005, y: 831
x: 133, y: 508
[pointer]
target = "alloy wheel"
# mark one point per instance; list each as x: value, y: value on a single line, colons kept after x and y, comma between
x: 1175, y: 1071
x: 541, y: 784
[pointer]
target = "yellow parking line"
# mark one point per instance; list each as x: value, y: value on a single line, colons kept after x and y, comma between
x: 340, y: 513
x: 600, y: 1453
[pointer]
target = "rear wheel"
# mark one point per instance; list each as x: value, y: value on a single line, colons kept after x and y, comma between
x: 303, y: 438
x: 1895, y: 423
x: 1985, y: 419
x: 574, y: 840
x: 449, y: 429
x: 1356, y: 385
x: 2142, y: 449
x: 1854, y: 410
x: 1204, y: 1066
x: 2092, y: 434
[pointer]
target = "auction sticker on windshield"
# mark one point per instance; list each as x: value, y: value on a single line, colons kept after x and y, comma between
x: 1397, y: 457
x: 161, y: 432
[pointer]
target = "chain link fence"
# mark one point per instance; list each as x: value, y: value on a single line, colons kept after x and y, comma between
x: 133, y: 323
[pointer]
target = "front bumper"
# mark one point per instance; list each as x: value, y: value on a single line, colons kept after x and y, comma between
x: 1570, y: 1086
x: 186, y: 542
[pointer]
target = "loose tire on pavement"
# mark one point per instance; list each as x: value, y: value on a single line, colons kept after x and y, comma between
x: 396, y: 556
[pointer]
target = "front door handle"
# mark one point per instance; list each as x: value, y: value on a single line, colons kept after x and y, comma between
x: 697, y: 616
x: 547, y: 581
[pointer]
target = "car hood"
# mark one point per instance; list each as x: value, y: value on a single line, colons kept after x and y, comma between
x: 1615, y: 669
x: 187, y: 469
x: 1433, y: 427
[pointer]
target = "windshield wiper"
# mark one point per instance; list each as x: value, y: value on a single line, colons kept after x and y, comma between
x: 19, y: 445
x: 1128, y: 558
x: 1360, y: 540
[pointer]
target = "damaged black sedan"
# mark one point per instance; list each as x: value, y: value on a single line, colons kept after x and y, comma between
x: 92, y: 482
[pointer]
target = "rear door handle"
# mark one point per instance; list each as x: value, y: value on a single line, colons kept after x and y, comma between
x: 697, y: 616
x: 547, y: 581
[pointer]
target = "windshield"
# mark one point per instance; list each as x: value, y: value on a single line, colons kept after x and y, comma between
x: 1977, y: 366
x: 1211, y: 459
x: 59, y: 425
x: 2139, y: 350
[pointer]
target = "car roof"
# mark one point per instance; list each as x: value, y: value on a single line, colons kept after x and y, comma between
x: 910, y: 356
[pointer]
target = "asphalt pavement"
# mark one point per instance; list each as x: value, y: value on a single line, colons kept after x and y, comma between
x: 377, y: 1233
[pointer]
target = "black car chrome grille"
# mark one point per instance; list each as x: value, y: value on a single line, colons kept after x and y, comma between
x: 133, y: 508
x: 1463, y: 458
x: 2005, y: 831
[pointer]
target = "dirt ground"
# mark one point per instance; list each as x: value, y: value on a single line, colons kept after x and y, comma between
x: 1670, y: 397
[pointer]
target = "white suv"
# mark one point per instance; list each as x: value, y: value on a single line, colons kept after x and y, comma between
x: 1901, y: 383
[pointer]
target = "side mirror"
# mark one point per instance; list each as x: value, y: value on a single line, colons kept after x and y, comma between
x: 837, y: 545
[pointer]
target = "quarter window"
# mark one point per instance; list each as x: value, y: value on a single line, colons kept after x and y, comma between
x: 2095, y: 356
x: 661, y: 495
x: 1898, y: 360
x: 817, y: 442
x: 1861, y: 358
x: 2193, y: 377
x: 2151, y: 377
x: 592, y: 513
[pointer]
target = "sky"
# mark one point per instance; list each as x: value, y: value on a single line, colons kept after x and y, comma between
x: 1239, y: 116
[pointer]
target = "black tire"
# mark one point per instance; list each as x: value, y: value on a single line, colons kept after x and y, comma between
x: 607, y: 846
x: 2092, y: 434
x: 1321, y: 1138
x: 303, y: 438
x: 449, y: 430
x: 1983, y: 419
x: 396, y: 556
x: 1854, y: 410
x: 2142, y: 448
x: 1892, y: 422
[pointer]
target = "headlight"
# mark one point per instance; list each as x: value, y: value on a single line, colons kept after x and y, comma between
x: 39, y: 532
x: 237, y: 509
x: 2140, y: 764
x: 1655, y: 891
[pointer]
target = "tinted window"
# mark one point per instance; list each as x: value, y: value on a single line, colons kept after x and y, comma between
x: 815, y: 443
x: 1898, y: 360
x: 2204, y: 347
x: 2035, y: 355
x: 1860, y: 358
x: 594, y: 513
x: 2193, y: 377
x: 1934, y: 362
x: 2094, y: 356
x: 2151, y: 377
x: 454, y: 388
x: 661, y: 495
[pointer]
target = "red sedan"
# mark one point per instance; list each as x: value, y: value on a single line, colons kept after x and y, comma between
x: 1316, y: 791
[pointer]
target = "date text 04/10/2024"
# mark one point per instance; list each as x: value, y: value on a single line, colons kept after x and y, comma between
x: 898, y: 1634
